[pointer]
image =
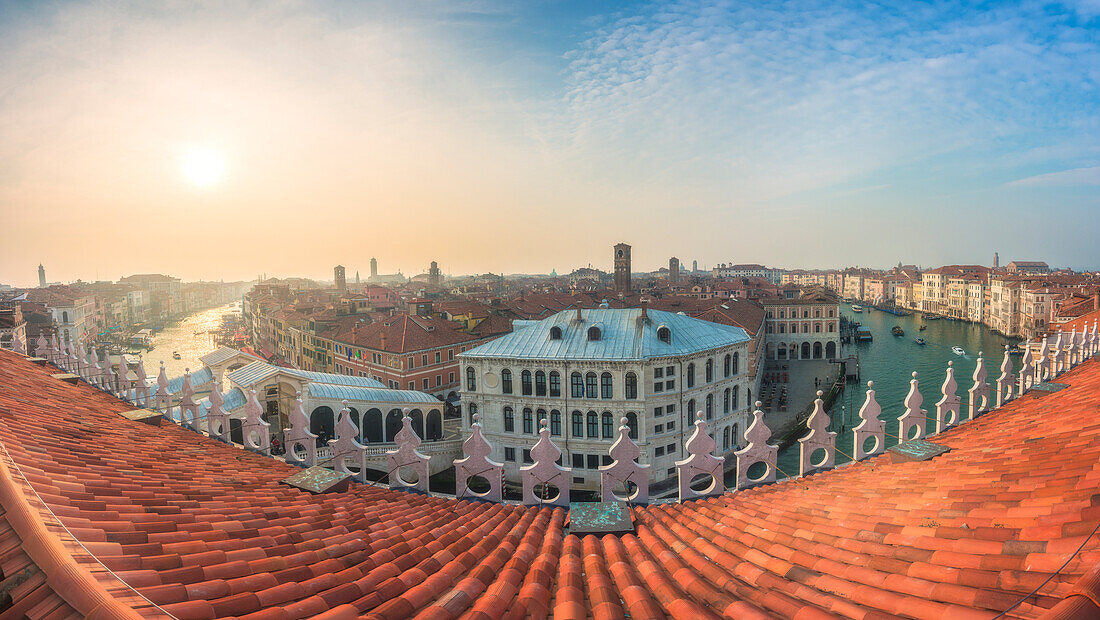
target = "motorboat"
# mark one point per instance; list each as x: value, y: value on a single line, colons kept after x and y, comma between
x: 920, y: 341
x: 957, y: 350
x: 897, y: 331
x: 923, y: 327
x: 857, y: 308
x: 176, y: 355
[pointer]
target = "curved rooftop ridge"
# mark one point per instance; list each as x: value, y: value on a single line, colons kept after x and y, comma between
x: 204, y: 529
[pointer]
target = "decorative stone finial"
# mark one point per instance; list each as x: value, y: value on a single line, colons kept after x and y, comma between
x: 1043, y: 366
x: 947, y: 407
x: 141, y: 384
x: 217, y: 420
x: 407, y: 455
x: 914, y: 416
x: 476, y: 462
x: 17, y: 343
x: 545, y: 474
x: 1027, y: 371
x: 189, y: 409
x: 756, y: 450
x: 871, y: 426
x: 700, y: 462
x: 624, y: 470
x: 819, y: 438
x: 1006, y: 381
x: 346, y: 448
x: 41, y: 347
x: 979, y: 392
x: 256, y: 432
x: 162, y: 400
x: 301, y: 444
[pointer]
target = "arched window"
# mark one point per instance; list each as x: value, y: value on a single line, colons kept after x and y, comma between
x: 540, y: 383
x: 578, y: 424
x: 736, y: 362
x: 433, y: 426
x: 805, y: 350
x: 593, y: 424
x: 593, y: 333
x: 540, y: 417
x: 607, y: 386
x: 372, y: 426
x: 321, y: 423
x: 590, y: 385
x: 726, y: 365
x: 470, y: 415
x: 733, y: 400
x: 608, y: 424
x: 726, y: 401
x: 509, y: 420
x: 393, y: 421
x: 528, y: 421
x: 710, y: 370
x: 417, y: 417
x: 664, y: 334
x: 555, y: 333
x: 555, y: 384
x: 631, y: 385
x: 576, y: 383
x: 691, y: 410
x: 555, y: 422
x: 65, y: 317
x: 525, y: 382
x: 632, y: 424
x: 710, y: 406
x: 726, y: 438
x: 690, y: 379
x: 506, y: 381
x: 471, y: 379
x: 748, y: 397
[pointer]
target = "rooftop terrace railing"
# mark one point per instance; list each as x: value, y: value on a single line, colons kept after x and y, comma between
x: 545, y: 481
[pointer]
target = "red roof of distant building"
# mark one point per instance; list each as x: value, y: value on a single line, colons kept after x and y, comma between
x: 202, y: 529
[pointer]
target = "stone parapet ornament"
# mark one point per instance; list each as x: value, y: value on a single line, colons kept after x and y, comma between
x: 407, y: 455
x: 819, y: 438
x: 545, y: 474
x: 949, y: 405
x: 346, y: 449
x: 700, y: 462
x: 476, y: 462
x: 624, y: 470
x: 914, y: 417
x: 255, y: 431
x: 1007, y: 381
x: 300, y: 443
x: 871, y: 426
x: 757, y: 450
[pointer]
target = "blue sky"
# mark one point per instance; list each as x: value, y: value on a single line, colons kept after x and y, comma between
x: 528, y: 136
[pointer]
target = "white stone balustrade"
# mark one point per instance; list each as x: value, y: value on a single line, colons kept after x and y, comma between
x: 1058, y: 358
x: 217, y: 420
x: 545, y: 483
x: 301, y: 444
x: 700, y: 462
x: 189, y: 409
x: 1027, y: 371
x: 1042, y: 366
x: 914, y: 417
x: 871, y: 426
x: 55, y: 351
x: 819, y: 438
x: 346, y: 449
x: 757, y: 450
x: 476, y: 462
x: 1007, y: 380
x: 80, y: 362
x: 41, y: 347
x: 624, y: 470
x: 407, y: 455
x: 91, y: 368
x: 141, y: 385
x: 256, y: 432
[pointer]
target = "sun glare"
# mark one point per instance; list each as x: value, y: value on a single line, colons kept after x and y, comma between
x: 203, y: 166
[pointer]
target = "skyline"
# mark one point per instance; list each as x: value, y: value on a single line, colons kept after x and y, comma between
x: 523, y: 139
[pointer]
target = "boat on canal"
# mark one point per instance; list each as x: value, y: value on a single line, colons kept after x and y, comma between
x: 957, y: 350
x: 176, y: 355
x: 857, y: 308
x: 897, y: 331
x: 920, y: 341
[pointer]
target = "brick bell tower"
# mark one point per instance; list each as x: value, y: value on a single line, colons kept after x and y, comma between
x: 622, y: 268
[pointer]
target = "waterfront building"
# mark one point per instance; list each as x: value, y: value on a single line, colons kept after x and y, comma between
x: 13, y: 327
x: 583, y: 370
x: 73, y: 311
x: 748, y: 270
x: 803, y: 328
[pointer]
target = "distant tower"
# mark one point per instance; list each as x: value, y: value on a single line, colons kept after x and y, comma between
x: 996, y: 261
x: 357, y: 277
x: 41, y: 276
x: 373, y: 268
x: 338, y: 276
x: 674, y: 269
x: 433, y: 276
x: 622, y: 268
x: 694, y: 266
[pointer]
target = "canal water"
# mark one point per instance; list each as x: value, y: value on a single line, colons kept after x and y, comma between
x: 890, y: 360
x: 191, y: 337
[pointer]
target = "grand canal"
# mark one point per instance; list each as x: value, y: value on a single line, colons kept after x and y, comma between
x: 192, y: 337
x: 890, y: 360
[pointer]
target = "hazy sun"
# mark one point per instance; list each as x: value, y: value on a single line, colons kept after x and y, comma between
x: 203, y: 166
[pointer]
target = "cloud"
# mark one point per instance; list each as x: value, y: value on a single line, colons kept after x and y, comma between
x: 1076, y: 176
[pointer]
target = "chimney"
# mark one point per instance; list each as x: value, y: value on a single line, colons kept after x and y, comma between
x: 579, y: 317
x: 1096, y: 301
x: 645, y: 316
x: 383, y: 337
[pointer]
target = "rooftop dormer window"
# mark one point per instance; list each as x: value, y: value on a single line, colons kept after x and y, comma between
x: 664, y: 334
x: 555, y: 333
x: 593, y: 333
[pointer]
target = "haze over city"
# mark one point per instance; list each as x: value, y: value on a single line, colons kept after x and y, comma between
x: 222, y: 140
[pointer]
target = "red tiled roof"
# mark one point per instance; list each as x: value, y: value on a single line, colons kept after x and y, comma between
x: 206, y: 530
x: 405, y: 333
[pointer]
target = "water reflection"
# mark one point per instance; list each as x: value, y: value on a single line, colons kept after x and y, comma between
x: 192, y: 337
